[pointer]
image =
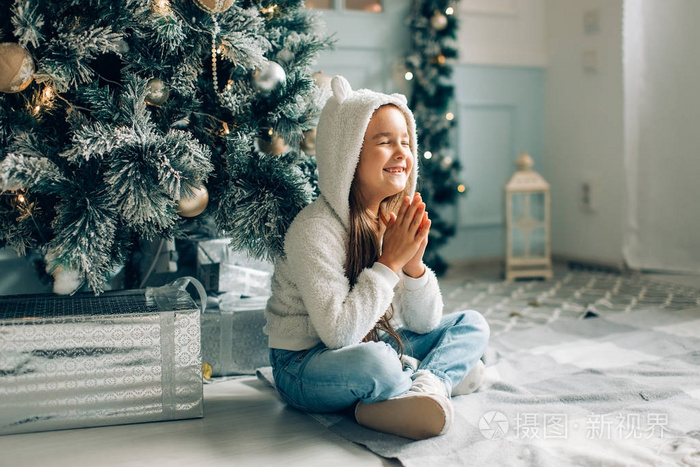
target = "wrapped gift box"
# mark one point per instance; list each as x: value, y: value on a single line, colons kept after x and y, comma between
x: 233, y: 341
x: 86, y: 360
x: 222, y: 269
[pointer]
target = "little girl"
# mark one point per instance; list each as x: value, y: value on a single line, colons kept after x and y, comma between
x: 355, y: 318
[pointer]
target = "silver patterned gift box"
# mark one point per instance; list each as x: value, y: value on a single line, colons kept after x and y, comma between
x: 233, y: 342
x: 121, y: 357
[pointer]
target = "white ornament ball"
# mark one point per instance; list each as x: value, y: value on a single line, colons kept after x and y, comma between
x: 269, y: 77
x: 322, y: 79
x: 438, y: 21
x: 286, y: 56
x: 214, y: 6
x: 66, y: 281
x: 157, y: 93
x: 194, y: 206
x: 16, y: 67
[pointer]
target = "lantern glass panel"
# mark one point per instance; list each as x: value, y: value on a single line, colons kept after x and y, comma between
x: 517, y: 206
x: 537, y: 242
x: 528, y: 231
x: 518, y: 242
x: 537, y: 206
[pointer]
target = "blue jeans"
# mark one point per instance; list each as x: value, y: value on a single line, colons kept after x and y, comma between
x: 324, y: 380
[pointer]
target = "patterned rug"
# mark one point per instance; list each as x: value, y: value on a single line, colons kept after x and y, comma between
x: 571, y: 294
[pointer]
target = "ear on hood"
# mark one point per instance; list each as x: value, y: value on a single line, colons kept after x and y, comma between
x: 339, y: 136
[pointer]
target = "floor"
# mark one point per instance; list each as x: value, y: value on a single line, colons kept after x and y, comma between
x: 245, y: 424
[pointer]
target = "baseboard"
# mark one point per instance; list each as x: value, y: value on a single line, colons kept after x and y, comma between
x: 568, y: 261
x: 469, y: 263
x: 590, y: 264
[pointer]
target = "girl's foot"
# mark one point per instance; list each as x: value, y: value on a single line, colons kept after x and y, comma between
x: 423, y: 412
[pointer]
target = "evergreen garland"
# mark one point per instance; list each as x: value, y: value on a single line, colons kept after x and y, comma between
x: 433, y: 25
x: 133, y: 106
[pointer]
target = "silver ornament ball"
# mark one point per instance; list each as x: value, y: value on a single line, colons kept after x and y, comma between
x: 269, y: 77
x: 157, y: 92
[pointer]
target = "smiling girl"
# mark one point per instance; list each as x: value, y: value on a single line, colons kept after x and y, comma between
x: 355, y: 320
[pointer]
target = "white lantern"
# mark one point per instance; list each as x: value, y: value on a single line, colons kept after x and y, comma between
x: 527, y: 223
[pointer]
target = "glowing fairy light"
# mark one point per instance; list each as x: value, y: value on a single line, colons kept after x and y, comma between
x: 408, y: 76
x: 270, y: 11
x: 449, y: 12
x: 47, y: 94
x: 427, y: 154
x: 450, y: 116
x: 461, y: 188
x: 21, y: 198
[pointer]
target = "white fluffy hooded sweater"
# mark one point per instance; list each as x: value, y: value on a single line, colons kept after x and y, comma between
x: 311, y: 298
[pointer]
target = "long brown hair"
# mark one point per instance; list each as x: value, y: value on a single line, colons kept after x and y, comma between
x: 364, y: 247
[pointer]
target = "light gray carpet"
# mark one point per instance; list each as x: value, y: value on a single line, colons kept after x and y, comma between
x: 589, y: 369
x: 517, y: 305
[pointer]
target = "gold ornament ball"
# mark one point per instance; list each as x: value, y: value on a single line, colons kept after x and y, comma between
x: 16, y: 67
x: 194, y: 206
x: 157, y: 92
x: 308, y: 144
x: 438, y: 21
x: 214, y: 6
x: 273, y: 145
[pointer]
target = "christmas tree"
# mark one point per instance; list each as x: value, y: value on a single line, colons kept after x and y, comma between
x: 433, y: 27
x: 130, y: 120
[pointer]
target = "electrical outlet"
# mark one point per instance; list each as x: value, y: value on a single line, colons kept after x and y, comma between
x: 591, y: 22
x: 588, y: 193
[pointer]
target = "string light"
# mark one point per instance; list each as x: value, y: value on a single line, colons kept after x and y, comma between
x: 270, y: 11
x: 461, y: 188
x: 427, y: 154
x: 408, y: 76
x: 441, y: 59
x: 21, y: 198
x: 449, y: 11
x: 449, y: 116
x: 47, y: 94
x: 271, y: 131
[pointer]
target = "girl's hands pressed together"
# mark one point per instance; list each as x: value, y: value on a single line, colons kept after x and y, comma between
x: 406, y: 238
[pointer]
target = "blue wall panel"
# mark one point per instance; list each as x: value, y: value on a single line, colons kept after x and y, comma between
x: 500, y: 113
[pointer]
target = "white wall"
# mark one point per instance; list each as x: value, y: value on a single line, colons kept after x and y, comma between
x: 502, y: 32
x: 584, y: 133
x: 662, y: 112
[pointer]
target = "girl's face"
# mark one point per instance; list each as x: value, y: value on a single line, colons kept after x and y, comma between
x: 386, y: 160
